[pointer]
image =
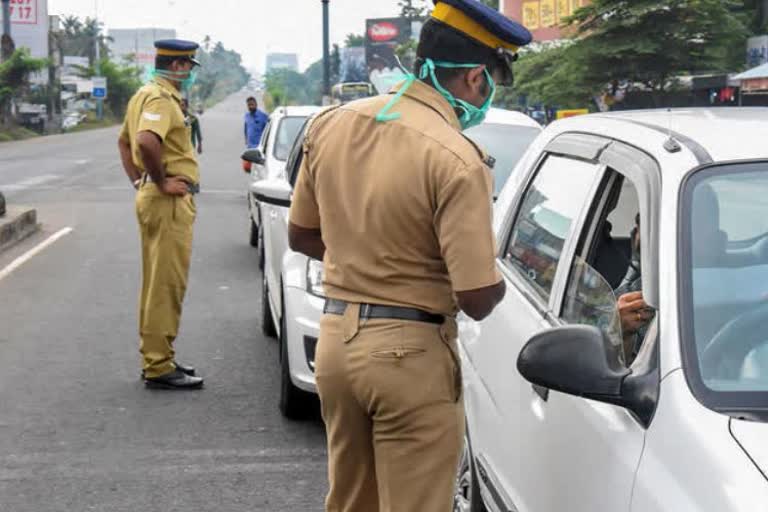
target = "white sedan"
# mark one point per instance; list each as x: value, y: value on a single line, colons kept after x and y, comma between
x: 662, y: 407
x: 294, y: 283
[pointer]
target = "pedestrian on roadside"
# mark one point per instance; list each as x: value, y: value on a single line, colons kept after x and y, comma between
x: 254, y: 123
x: 397, y: 203
x: 159, y: 159
x: 194, y: 125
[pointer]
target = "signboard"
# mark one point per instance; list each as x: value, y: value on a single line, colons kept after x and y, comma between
x: 99, y: 87
x: 23, y: 12
x: 757, y: 51
x: 562, y: 114
x: 754, y: 85
x: 542, y: 17
x: 382, y: 37
x: 352, y: 65
x: 29, y: 26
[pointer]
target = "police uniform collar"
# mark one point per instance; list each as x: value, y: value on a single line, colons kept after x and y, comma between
x: 168, y: 85
x: 430, y: 97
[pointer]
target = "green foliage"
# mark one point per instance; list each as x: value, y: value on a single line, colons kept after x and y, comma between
x: 354, y: 40
x: 77, y: 38
x: 286, y: 87
x: 122, y: 83
x: 644, y: 44
x: 412, y: 9
x: 14, y: 76
x: 221, y: 73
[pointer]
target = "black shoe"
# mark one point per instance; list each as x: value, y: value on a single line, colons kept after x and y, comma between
x: 174, y: 380
x: 189, y: 370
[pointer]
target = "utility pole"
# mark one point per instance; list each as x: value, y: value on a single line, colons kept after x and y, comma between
x: 5, y: 40
x: 97, y: 64
x: 326, y: 54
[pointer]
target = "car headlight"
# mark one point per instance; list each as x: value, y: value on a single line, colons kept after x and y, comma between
x: 315, y: 278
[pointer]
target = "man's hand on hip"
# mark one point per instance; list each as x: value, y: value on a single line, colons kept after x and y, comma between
x: 175, y: 186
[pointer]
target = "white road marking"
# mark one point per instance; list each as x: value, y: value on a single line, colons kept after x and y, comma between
x: 31, y: 182
x: 82, y: 162
x: 33, y: 252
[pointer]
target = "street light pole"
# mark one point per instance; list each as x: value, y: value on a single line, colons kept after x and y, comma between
x: 7, y: 17
x: 326, y: 52
x: 5, y: 38
x: 97, y: 64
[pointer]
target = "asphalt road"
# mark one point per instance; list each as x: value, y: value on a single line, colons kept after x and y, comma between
x: 78, y: 430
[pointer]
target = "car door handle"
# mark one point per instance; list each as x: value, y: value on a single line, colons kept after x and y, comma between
x: 541, y: 391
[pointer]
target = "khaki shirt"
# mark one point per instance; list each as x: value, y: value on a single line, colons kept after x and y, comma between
x: 156, y: 108
x: 404, y: 207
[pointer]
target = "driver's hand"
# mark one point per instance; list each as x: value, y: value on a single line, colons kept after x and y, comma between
x: 634, y: 312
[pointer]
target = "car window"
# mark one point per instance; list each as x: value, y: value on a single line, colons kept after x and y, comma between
x: 545, y: 218
x: 265, y: 137
x: 286, y: 134
x: 296, y: 155
x: 506, y: 143
x: 607, y: 267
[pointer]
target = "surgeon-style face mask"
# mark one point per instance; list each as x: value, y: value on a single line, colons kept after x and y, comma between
x: 186, y: 79
x: 469, y: 115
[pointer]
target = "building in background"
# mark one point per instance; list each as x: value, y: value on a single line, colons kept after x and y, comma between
x: 542, y: 17
x: 282, y: 61
x: 137, y: 44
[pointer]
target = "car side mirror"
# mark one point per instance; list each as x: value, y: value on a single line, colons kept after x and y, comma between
x: 255, y: 156
x: 275, y: 191
x: 577, y: 360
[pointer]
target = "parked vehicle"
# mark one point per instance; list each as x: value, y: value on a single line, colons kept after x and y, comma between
x: 596, y: 418
x: 295, y: 282
x: 268, y: 160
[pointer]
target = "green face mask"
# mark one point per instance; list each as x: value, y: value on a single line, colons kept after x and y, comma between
x: 469, y: 115
x: 186, y: 79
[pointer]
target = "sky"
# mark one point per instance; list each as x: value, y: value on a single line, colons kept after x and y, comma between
x: 251, y: 27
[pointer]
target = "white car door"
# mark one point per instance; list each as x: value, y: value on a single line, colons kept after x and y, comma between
x: 504, y: 412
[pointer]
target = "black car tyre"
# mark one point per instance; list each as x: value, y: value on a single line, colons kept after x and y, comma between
x: 466, y: 497
x: 267, y: 323
x: 295, y: 403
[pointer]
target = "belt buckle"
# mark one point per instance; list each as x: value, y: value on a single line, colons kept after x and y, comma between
x: 365, y: 311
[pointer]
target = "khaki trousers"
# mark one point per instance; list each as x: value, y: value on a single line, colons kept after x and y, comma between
x: 392, y: 405
x: 165, y: 224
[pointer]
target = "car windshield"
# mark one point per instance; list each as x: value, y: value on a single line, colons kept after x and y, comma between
x: 286, y: 134
x: 504, y: 142
x: 725, y: 284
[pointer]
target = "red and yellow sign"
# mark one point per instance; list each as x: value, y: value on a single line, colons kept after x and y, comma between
x: 562, y: 114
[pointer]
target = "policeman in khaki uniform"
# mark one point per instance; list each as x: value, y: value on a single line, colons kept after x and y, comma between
x: 158, y: 157
x: 397, y: 203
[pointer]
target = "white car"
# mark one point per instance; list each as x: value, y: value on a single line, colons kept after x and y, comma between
x: 567, y: 409
x: 268, y: 160
x: 294, y: 282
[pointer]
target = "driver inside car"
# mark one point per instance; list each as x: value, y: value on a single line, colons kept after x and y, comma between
x: 635, y: 314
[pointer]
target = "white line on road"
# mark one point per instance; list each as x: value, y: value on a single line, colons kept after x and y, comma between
x: 31, y: 182
x: 33, y: 252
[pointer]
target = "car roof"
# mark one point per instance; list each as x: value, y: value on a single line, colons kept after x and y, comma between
x: 503, y: 116
x: 726, y: 133
x: 297, y: 111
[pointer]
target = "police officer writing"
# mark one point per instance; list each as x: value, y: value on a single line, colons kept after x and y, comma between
x: 158, y: 157
x: 397, y: 203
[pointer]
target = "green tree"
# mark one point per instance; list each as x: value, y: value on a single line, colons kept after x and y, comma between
x: 286, y: 87
x: 122, y: 83
x: 651, y: 42
x: 14, y: 79
x: 221, y: 73
x: 78, y: 38
x: 412, y: 9
x: 354, y: 40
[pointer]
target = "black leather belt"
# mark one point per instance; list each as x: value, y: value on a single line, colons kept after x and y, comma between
x: 338, y: 307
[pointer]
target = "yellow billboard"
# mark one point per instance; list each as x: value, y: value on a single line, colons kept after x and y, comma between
x: 531, y: 19
x: 562, y: 114
x: 548, y: 16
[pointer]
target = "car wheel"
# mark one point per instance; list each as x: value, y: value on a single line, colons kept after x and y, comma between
x: 295, y: 403
x: 466, y: 497
x: 267, y: 323
x: 254, y: 234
